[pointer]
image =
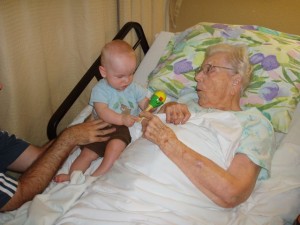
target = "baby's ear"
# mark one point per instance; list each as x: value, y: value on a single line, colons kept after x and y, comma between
x: 102, y: 71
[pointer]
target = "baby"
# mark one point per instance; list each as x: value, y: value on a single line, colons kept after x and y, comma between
x: 117, y: 100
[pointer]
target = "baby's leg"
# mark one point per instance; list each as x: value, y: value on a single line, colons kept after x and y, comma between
x: 113, y: 150
x: 82, y: 163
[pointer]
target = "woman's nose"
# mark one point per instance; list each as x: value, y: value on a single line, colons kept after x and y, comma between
x: 199, y: 76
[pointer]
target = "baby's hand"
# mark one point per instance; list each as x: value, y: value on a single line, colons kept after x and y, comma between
x: 145, y: 111
x: 129, y: 120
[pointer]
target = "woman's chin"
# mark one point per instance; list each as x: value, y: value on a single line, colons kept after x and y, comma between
x: 202, y: 101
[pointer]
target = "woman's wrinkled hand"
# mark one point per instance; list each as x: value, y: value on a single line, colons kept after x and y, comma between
x: 155, y: 130
x: 176, y: 113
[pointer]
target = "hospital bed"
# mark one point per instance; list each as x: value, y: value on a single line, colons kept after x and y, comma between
x: 144, y: 186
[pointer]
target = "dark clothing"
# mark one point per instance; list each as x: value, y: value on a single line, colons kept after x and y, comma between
x: 122, y: 133
x: 10, y: 149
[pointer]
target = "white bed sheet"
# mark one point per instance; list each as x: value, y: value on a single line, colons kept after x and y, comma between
x: 145, y: 187
x: 140, y: 200
x: 105, y: 200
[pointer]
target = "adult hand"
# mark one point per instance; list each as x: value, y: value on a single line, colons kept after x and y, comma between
x: 155, y: 130
x: 53, y: 157
x: 89, y: 132
x: 176, y: 113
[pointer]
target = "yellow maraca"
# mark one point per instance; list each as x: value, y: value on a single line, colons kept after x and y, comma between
x: 156, y: 100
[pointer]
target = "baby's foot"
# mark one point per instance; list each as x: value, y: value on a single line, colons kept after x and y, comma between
x: 61, y: 178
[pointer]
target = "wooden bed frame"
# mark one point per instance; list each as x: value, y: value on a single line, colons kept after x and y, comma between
x: 92, y: 72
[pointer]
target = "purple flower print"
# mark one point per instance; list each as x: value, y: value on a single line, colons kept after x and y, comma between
x: 220, y: 26
x: 268, y: 91
x: 248, y: 27
x: 228, y: 32
x: 256, y: 58
x: 232, y: 32
x: 182, y: 66
x: 270, y: 63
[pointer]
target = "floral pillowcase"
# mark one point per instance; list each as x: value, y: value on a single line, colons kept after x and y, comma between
x: 275, y: 56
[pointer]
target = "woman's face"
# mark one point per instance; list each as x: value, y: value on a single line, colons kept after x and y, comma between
x: 214, y: 80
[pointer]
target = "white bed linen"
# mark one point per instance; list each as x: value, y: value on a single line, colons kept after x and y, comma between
x: 274, y: 201
x: 145, y: 187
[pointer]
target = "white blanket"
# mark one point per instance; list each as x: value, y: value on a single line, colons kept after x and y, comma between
x: 145, y: 187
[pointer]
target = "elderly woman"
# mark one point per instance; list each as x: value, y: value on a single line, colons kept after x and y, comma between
x: 224, y: 74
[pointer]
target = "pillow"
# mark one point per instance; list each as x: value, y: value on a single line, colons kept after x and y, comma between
x: 275, y: 86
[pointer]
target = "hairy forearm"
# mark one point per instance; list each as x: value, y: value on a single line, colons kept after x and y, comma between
x: 39, y: 175
x: 46, y: 167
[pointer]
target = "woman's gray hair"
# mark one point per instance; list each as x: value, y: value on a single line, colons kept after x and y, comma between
x: 237, y: 57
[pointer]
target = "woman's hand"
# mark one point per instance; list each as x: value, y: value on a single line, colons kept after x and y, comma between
x: 155, y: 130
x: 176, y: 113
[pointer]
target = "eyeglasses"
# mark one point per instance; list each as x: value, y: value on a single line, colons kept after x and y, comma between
x: 208, y: 68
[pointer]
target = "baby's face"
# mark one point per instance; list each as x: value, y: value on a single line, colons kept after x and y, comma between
x: 119, y: 74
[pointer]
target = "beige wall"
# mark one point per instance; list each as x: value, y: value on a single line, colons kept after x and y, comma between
x: 281, y: 15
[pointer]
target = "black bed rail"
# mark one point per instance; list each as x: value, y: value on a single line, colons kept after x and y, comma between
x: 92, y: 72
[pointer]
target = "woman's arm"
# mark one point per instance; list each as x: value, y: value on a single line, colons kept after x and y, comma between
x: 37, y: 177
x: 227, y: 188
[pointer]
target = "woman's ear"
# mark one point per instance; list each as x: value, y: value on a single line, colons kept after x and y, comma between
x: 102, y: 71
x: 237, y: 82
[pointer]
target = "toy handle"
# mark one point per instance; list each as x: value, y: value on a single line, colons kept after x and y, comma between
x: 157, y: 99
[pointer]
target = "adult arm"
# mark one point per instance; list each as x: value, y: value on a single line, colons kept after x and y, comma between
x: 31, y: 153
x: 227, y: 188
x: 37, y: 177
